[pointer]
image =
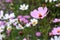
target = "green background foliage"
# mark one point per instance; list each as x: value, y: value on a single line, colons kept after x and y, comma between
x: 44, y: 26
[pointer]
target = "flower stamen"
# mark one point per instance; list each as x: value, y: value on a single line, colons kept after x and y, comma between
x: 58, y: 31
x: 40, y: 15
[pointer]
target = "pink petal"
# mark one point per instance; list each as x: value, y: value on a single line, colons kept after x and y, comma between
x: 54, y: 31
x: 8, y: 0
x: 56, y: 20
x: 42, y: 10
x: 25, y: 21
x: 20, y: 16
x: 8, y: 32
x: 26, y: 16
x: 44, y: 15
x: 45, y: 9
x: 22, y: 19
x: 24, y: 39
x: 35, y: 14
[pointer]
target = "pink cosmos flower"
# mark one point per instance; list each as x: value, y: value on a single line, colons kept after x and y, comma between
x: 24, y: 39
x: 38, y: 34
x: 2, y: 23
x: 23, y: 19
x: 56, y: 31
x: 40, y: 13
x: 56, y: 20
x: 8, y: 1
x: 8, y: 32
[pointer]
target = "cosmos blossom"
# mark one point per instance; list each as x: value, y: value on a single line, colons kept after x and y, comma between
x: 2, y: 36
x: 2, y: 23
x: 28, y: 24
x: 8, y: 31
x: 23, y: 7
x: 38, y: 34
x: 8, y: 1
x: 56, y: 31
x: 2, y: 26
x: 19, y: 26
x: 8, y: 16
x: 23, y: 19
x: 56, y: 20
x: 1, y: 14
x: 40, y: 13
x: 34, y: 22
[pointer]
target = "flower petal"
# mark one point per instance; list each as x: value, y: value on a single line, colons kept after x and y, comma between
x: 35, y: 14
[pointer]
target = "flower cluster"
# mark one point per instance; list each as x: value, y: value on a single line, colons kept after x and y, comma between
x: 55, y: 31
x: 9, y: 21
x: 20, y: 22
x: 5, y: 22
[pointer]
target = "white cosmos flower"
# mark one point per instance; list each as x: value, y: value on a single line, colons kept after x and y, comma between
x: 12, y: 15
x: 8, y: 24
x: 50, y: 0
x: 54, y: 0
x: 46, y: 0
x: 7, y: 16
x: 55, y: 37
x: 34, y: 21
x: 59, y: 37
x: 13, y: 20
x: 2, y: 28
x: 2, y: 36
x: 15, y: 23
x: 52, y: 38
x: 19, y: 26
x: 24, y: 7
x: 1, y: 14
x: 9, y: 28
x: 28, y: 25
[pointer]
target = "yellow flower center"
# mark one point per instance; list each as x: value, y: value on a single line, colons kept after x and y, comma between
x: 8, y: 28
x: 34, y: 22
